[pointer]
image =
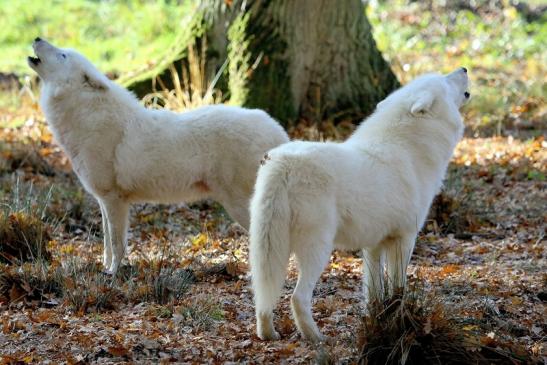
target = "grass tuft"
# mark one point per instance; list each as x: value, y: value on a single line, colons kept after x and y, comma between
x: 163, y: 286
x: 199, y: 312
x: 417, y: 328
x: 32, y: 283
x: 23, y: 237
x: 86, y: 288
x: 24, y: 229
x: 191, y: 86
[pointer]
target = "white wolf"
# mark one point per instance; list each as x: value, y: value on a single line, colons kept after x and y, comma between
x: 371, y: 192
x: 124, y: 153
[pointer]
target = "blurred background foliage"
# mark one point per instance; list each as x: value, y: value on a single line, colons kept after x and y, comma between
x: 117, y: 35
x: 501, y: 42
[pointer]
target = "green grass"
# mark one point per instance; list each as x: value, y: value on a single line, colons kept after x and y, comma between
x: 456, y: 36
x: 118, y: 36
x: 503, y: 51
x: 501, y: 48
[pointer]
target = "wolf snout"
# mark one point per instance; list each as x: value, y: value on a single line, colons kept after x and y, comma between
x: 464, y: 69
x: 37, y: 39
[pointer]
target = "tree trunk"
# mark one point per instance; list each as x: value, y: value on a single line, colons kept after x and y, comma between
x: 296, y: 58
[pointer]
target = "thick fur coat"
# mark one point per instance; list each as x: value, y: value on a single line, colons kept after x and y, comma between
x: 124, y: 153
x: 371, y: 192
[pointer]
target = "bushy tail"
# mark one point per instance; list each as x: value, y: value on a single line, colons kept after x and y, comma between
x: 269, y: 235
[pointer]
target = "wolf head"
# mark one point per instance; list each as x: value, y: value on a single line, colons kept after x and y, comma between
x: 432, y: 94
x: 64, y: 70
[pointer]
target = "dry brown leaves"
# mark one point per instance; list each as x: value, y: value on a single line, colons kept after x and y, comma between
x: 490, y: 274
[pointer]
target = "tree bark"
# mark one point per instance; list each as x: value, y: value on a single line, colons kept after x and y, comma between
x: 314, y: 59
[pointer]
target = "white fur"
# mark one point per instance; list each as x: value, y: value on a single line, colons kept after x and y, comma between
x: 124, y: 153
x: 371, y: 192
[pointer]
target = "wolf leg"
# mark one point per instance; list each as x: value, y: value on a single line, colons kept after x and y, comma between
x: 398, y: 253
x: 107, y: 246
x: 117, y: 213
x: 237, y: 206
x: 312, y: 254
x: 373, y: 273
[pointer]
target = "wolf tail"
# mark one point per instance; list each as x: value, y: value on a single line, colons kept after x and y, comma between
x: 269, y: 235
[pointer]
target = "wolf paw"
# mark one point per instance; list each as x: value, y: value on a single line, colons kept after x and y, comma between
x: 269, y: 335
x: 107, y: 272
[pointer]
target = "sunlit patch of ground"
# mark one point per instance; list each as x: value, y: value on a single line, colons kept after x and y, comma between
x: 489, y: 270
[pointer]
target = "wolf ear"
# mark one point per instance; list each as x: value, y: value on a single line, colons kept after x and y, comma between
x: 422, y: 103
x: 94, y: 82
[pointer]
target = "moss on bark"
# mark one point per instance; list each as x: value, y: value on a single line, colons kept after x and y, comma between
x: 309, y: 58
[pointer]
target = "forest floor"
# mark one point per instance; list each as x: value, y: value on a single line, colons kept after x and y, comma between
x: 478, y: 273
x: 185, y: 295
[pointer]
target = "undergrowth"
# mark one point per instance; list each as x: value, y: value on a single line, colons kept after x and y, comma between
x: 191, y: 85
x: 200, y: 312
x: 24, y: 229
x: 417, y: 327
x: 85, y: 288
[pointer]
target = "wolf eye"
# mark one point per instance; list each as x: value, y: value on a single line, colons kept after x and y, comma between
x: 63, y: 55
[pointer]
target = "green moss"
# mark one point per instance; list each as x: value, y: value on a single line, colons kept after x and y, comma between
x: 269, y: 83
x: 139, y: 80
x: 239, y: 57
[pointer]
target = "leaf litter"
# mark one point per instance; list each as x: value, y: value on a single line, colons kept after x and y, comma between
x: 488, y: 270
